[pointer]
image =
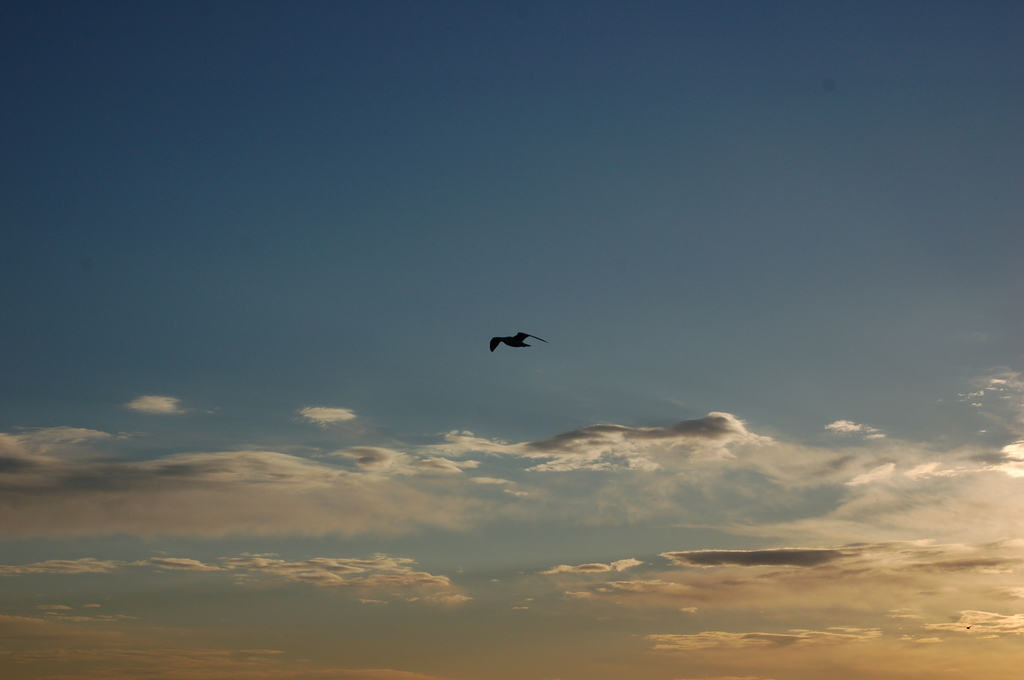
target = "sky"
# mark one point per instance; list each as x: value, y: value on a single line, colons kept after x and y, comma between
x: 253, y: 254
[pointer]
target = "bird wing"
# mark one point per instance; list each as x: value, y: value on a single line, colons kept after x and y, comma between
x: 495, y: 342
x: 533, y: 336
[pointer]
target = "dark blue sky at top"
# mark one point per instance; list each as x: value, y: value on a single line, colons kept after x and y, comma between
x: 792, y: 211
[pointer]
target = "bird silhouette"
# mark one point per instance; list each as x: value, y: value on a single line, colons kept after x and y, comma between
x: 514, y: 340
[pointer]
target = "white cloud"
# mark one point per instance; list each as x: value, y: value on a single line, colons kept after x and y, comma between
x: 849, y: 427
x: 156, y: 405
x: 323, y: 415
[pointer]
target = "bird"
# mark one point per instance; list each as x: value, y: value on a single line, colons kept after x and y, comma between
x: 513, y: 341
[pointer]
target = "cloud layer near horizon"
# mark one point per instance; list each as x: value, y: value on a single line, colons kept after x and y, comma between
x: 76, y: 481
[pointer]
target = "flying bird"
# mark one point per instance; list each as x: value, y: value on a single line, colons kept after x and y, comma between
x: 514, y: 340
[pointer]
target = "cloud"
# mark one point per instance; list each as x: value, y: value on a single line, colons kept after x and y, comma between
x: 262, y: 492
x: 800, y: 557
x: 63, y: 631
x: 849, y: 427
x: 85, y: 565
x: 444, y: 465
x: 643, y: 587
x: 53, y: 607
x: 156, y: 405
x: 324, y: 416
x: 176, y: 563
x: 373, y: 457
x: 983, y: 622
x: 873, y: 475
x: 447, y: 599
x: 716, y: 639
x: 381, y: 571
x: 609, y: 447
x: 877, y: 575
x: 618, y: 565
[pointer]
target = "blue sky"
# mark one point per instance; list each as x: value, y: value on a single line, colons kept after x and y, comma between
x: 774, y: 249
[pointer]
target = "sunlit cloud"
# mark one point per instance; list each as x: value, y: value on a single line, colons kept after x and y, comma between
x: 873, y: 475
x: 882, y: 574
x: 86, y: 565
x: 446, y: 599
x: 381, y: 571
x: 444, y: 465
x: 850, y: 427
x: 324, y: 415
x: 983, y: 622
x: 610, y: 447
x: 723, y: 640
x: 618, y: 565
x: 156, y: 405
x: 378, y: 460
x: 176, y: 563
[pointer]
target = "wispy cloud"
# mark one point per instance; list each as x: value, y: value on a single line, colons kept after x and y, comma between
x: 263, y: 492
x: 609, y: 446
x: 883, y: 573
x: 378, y: 460
x: 983, y: 622
x: 86, y: 565
x: 156, y: 405
x: 720, y: 639
x: 873, y: 475
x: 176, y: 563
x: 381, y: 571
